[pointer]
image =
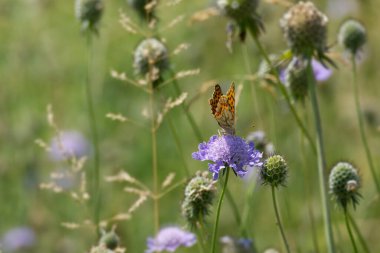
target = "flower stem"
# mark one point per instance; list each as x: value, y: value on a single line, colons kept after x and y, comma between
x: 94, y: 135
x: 213, y: 243
x: 359, y: 235
x: 349, y: 230
x: 361, y: 126
x: 156, y: 215
x: 284, y: 92
x: 321, y: 158
x: 278, y: 221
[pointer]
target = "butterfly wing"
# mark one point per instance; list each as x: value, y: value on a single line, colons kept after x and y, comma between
x: 215, y: 98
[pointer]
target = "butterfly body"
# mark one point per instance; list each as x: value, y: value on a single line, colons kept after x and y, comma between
x: 223, y: 108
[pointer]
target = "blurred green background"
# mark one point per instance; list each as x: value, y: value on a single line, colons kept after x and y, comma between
x: 44, y: 61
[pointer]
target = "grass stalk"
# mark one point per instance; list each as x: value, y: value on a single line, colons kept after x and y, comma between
x: 321, y: 158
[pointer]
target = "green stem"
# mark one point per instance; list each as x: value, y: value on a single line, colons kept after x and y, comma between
x: 95, y: 142
x: 156, y: 215
x: 358, y: 233
x: 361, y: 126
x: 247, y: 209
x: 321, y: 158
x: 278, y: 221
x: 178, y: 144
x: 185, y: 108
x: 349, y: 230
x: 284, y: 91
x: 235, y: 209
x: 213, y: 243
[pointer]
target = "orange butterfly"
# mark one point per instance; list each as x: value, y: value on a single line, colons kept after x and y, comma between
x: 223, y: 108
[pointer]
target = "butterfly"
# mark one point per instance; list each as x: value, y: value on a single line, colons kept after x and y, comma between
x: 223, y: 108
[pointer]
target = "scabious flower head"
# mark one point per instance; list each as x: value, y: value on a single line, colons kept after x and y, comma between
x: 89, y: 13
x: 243, y: 12
x: 68, y: 144
x: 232, y: 245
x: 344, y: 183
x: 321, y: 72
x: 261, y: 142
x: 199, y: 196
x: 228, y: 151
x: 352, y: 36
x: 19, y: 238
x: 140, y: 7
x: 274, y: 171
x: 151, y: 58
x: 110, y: 240
x: 169, y: 239
x: 305, y: 29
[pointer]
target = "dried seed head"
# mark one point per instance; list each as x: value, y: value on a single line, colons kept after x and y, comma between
x: 274, y: 171
x: 89, y: 13
x: 344, y: 183
x: 199, y: 196
x: 352, y: 36
x: 305, y: 29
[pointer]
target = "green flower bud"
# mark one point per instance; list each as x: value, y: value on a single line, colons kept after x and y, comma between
x: 274, y: 171
x: 304, y: 28
x: 151, y: 58
x: 243, y: 12
x: 344, y: 183
x: 296, y: 79
x: 199, y: 196
x: 89, y: 13
x: 352, y: 36
x: 110, y: 240
x: 140, y: 7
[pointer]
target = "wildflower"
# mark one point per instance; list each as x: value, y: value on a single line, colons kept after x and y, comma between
x: 352, y: 36
x: 151, y: 58
x: 140, y: 6
x: 321, y: 72
x: 199, y: 196
x: 305, y: 29
x: 344, y: 183
x: 261, y: 142
x: 18, y: 238
x: 169, y: 239
x: 110, y: 240
x: 68, y: 144
x: 274, y: 171
x: 232, y: 245
x: 89, y: 13
x: 228, y: 151
x: 243, y: 12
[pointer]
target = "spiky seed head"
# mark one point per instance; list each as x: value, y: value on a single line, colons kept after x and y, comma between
x: 296, y: 79
x: 274, y: 171
x: 110, y: 240
x: 344, y: 183
x: 140, y: 7
x: 151, y: 57
x: 305, y: 29
x: 243, y: 12
x: 352, y: 36
x: 199, y: 196
x: 89, y: 13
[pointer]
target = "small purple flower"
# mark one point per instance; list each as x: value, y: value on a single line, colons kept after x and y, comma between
x: 228, y: 151
x: 321, y: 73
x: 169, y: 239
x: 17, y: 239
x: 69, y: 143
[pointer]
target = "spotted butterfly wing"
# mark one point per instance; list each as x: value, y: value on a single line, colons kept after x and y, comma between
x: 223, y: 108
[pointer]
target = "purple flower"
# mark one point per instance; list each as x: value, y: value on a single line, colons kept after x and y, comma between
x: 232, y: 245
x: 18, y: 238
x: 228, y: 151
x: 69, y: 143
x: 169, y: 239
x: 321, y: 73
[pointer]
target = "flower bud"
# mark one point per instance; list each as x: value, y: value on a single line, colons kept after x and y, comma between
x: 304, y: 28
x: 140, y: 7
x: 89, y: 13
x: 151, y: 58
x: 110, y: 240
x: 199, y: 196
x: 274, y: 171
x: 296, y: 79
x: 352, y: 36
x: 344, y: 183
